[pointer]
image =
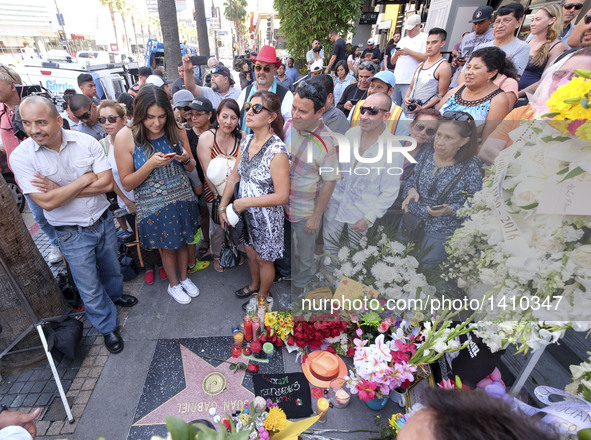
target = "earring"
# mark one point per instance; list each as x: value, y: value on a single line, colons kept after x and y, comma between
x: 271, y: 129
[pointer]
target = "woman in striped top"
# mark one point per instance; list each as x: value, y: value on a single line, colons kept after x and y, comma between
x: 221, y: 140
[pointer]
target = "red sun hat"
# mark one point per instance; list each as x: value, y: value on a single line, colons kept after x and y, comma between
x: 267, y: 55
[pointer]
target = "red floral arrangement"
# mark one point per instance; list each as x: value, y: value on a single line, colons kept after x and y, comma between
x: 313, y: 333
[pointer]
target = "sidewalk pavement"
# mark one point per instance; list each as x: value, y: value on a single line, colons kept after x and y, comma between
x: 104, y: 389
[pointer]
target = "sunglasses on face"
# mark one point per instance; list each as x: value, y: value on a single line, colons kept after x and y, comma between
x: 563, y: 74
x: 185, y: 108
x: 85, y: 116
x: 256, y: 108
x: 577, y: 6
x: 372, y: 110
x: 458, y: 116
x: 111, y: 119
x: 258, y: 68
x: 587, y: 19
x: 428, y: 130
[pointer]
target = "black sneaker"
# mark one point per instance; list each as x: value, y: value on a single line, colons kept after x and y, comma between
x: 279, y: 278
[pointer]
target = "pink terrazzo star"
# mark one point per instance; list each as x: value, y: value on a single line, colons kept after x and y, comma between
x: 193, y: 403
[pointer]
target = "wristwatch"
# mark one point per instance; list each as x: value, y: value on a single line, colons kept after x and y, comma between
x: 3, y: 408
x: 187, y: 162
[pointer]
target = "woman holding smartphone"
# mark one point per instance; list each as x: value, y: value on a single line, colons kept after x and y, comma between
x: 152, y: 160
x: 445, y: 177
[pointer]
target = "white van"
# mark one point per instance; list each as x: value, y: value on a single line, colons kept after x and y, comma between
x: 112, y: 79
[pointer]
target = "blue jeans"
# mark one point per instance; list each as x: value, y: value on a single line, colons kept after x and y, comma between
x: 39, y: 217
x: 399, y: 93
x: 303, y: 263
x: 91, y: 254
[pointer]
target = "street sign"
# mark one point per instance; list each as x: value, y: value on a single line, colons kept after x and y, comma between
x: 222, y: 33
x: 214, y: 25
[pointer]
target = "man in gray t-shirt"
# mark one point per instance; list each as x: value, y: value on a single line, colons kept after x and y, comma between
x: 87, y: 112
x: 221, y: 83
x: 507, y: 21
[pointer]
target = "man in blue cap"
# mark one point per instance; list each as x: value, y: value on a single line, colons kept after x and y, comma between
x: 382, y: 82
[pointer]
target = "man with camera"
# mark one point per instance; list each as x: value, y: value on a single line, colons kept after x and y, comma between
x: 222, y: 83
x: 11, y: 91
x: 431, y: 78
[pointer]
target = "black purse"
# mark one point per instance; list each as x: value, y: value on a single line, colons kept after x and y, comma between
x: 229, y: 256
x: 411, y: 226
x: 215, y: 215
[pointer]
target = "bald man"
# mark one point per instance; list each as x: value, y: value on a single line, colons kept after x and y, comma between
x: 68, y: 174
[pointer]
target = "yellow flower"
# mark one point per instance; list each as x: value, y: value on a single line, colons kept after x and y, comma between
x: 276, y: 419
x: 578, y: 88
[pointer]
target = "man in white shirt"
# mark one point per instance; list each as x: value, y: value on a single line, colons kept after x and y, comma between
x: 409, y: 54
x: 67, y: 174
x: 265, y: 68
x: 310, y: 58
x: 366, y: 190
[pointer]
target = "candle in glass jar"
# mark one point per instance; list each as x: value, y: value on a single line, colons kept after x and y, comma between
x: 238, y: 337
x: 256, y: 325
x: 246, y: 351
x: 247, y: 328
x: 236, y: 350
x: 322, y: 409
x: 342, y: 397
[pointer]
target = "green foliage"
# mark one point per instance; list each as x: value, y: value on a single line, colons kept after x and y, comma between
x: 304, y: 20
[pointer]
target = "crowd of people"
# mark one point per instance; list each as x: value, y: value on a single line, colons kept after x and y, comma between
x: 192, y: 166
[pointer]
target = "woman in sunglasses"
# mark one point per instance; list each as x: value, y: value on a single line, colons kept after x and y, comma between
x: 262, y: 168
x: 479, y: 95
x: 222, y: 141
x: 422, y: 129
x: 153, y: 159
x: 445, y: 177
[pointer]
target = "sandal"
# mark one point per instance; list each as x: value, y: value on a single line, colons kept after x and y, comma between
x: 242, y: 260
x: 245, y: 292
x: 202, y: 251
x: 216, y: 265
x: 199, y: 265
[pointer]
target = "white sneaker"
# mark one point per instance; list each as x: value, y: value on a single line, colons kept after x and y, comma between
x: 55, y: 256
x: 179, y: 294
x: 191, y: 289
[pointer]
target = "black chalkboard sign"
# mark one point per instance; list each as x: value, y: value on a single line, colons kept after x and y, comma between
x: 290, y: 391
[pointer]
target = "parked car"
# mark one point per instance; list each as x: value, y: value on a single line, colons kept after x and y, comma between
x: 19, y: 197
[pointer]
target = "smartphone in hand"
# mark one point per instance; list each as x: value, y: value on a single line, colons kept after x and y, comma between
x: 437, y: 207
x: 169, y: 155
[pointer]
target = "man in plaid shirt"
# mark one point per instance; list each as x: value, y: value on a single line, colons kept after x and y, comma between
x: 313, y: 176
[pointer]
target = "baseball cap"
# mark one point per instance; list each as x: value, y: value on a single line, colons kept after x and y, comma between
x: 371, y: 41
x: 224, y: 71
x: 481, y: 14
x: 412, y: 21
x: 144, y: 71
x: 386, y: 76
x: 201, y: 104
x: 316, y: 66
x: 157, y: 81
x: 182, y: 98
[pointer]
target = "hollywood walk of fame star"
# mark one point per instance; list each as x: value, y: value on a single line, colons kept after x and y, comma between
x: 193, y: 402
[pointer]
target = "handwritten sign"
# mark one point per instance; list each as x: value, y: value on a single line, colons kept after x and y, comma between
x: 351, y: 289
x: 290, y: 391
x: 567, y: 198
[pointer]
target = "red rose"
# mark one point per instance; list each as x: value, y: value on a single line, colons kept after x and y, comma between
x: 351, y: 351
x: 331, y: 349
x: 253, y: 368
x: 279, y: 342
x: 274, y: 339
x: 226, y: 423
x: 256, y: 346
x: 290, y: 341
x: 264, y: 338
x: 315, y: 344
x: 300, y: 343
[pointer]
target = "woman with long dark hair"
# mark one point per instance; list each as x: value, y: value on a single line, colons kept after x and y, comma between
x: 153, y: 157
x: 262, y: 168
x: 221, y: 144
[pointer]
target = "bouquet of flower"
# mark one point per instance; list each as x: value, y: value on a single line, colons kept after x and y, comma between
x: 314, y: 334
x: 386, y: 266
x: 537, y: 266
x: 581, y: 384
x: 281, y: 323
x: 379, y: 368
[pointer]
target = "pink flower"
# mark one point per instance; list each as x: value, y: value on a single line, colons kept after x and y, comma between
x: 366, y: 389
x: 384, y: 327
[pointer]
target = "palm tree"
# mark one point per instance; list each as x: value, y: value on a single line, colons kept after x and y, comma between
x: 170, y: 37
x: 33, y: 275
x: 235, y: 11
x: 202, y: 36
x: 132, y: 13
x: 110, y: 4
x: 122, y: 7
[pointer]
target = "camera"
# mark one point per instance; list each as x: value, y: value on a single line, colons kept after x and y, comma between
x: 413, y: 104
x: 317, y: 49
x: 240, y: 61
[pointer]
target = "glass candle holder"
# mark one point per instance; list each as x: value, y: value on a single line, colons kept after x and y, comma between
x: 236, y: 350
x: 338, y: 393
x: 246, y: 351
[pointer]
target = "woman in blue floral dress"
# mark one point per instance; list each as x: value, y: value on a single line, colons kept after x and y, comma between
x: 262, y: 168
x: 152, y: 158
